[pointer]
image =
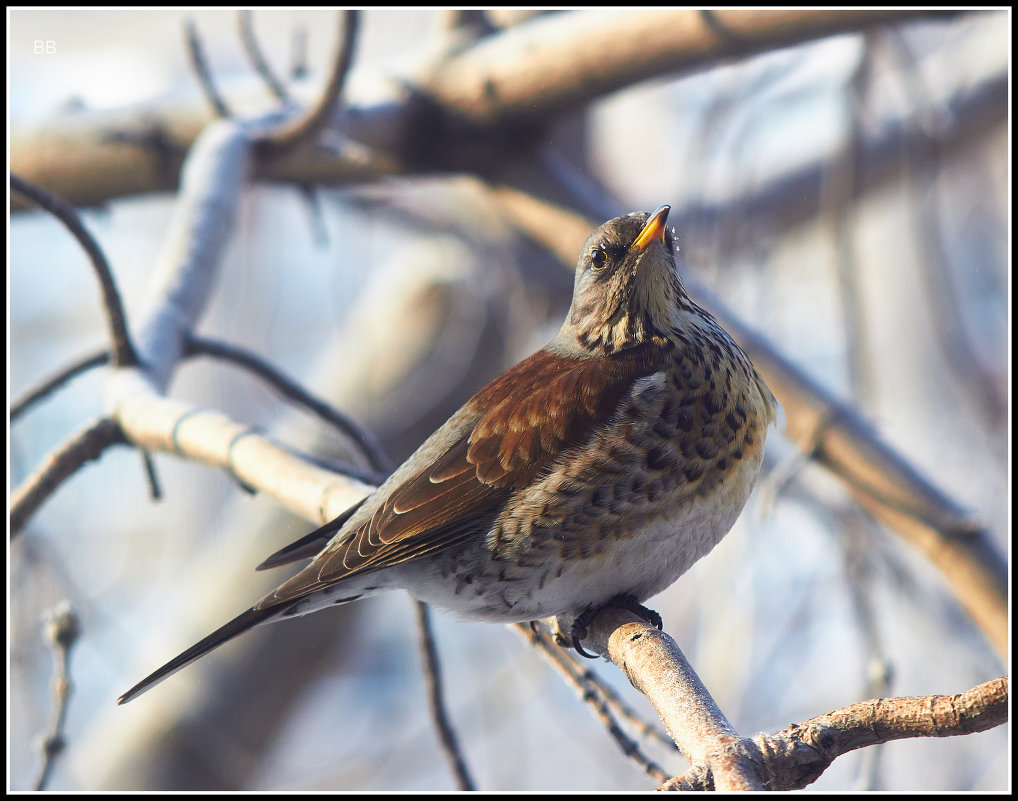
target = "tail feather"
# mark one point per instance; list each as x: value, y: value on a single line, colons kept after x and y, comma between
x: 240, y: 624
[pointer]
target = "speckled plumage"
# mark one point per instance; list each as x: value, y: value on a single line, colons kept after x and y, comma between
x: 605, y: 464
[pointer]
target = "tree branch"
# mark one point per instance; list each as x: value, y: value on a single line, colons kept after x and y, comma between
x: 294, y: 132
x: 94, y: 159
x: 436, y: 701
x: 794, y: 757
x: 245, y: 21
x: 200, y: 65
x: 366, y: 441
x: 797, y: 756
x: 63, y: 462
x: 594, y: 694
x: 116, y: 320
x: 61, y: 631
x: 51, y: 384
x: 548, y: 66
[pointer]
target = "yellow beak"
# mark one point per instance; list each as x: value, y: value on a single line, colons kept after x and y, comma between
x: 654, y: 229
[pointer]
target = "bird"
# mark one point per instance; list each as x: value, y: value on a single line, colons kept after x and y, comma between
x: 599, y: 468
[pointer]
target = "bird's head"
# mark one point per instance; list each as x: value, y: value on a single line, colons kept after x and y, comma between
x: 626, y: 289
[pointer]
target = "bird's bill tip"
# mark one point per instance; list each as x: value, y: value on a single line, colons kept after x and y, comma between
x: 653, y: 229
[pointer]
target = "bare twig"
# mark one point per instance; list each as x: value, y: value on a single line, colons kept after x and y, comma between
x: 366, y: 441
x: 45, y: 485
x: 88, y: 444
x: 843, y: 195
x: 61, y: 632
x: 200, y: 346
x: 793, y: 758
x: 592, y: 693
x: 245, y: 20
x: 854, y: 539
x: 436, y: 702
x: 303, y: 128
x: 201, y: 70
x: 798, y: 755
x: 614, y: 702
x: 299, y: 53
x: 116, y: 320
x: 47, y: 386
x: 155, y: 491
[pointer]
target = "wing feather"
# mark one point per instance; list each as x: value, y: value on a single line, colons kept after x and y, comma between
x: 525, y: 419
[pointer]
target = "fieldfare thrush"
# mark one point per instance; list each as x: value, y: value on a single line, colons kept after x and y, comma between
x: 600, y: 467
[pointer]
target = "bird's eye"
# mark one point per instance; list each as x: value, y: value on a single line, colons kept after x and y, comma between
x: 598, y: 258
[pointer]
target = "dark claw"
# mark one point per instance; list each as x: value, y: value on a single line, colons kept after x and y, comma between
x: 579, y: 648
x: 630, y: 603
x: 579, y: 630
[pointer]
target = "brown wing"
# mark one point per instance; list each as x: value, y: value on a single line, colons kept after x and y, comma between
x: 529, y: 415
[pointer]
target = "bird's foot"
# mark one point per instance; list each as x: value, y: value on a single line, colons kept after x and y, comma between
x: 580, y: 628
x: 629, y: 602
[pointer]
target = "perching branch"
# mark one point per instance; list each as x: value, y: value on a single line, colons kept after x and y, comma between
x: 794, y: 757
x: 656, y: 667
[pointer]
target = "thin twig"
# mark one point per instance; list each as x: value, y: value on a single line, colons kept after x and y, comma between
x: 124, y: 354
x: 644, y: 728
x: 61, y: 463
x: 798, y: 755
x: 201, y: 70
x: 256, y: 56
x: 47, y: 386
x: 155, y: 491
x: 843, y: 196
x: 366, y: 441
x: 61, y: 631
x: 433, y: 680
x: 299, y: 53
x: 123, y: 351
x: 591, y: 693
x: 857, y: 556
x: 291, y: 133
x: 313, y: 204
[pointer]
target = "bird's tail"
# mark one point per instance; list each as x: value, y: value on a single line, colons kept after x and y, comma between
x: 240, y: 624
